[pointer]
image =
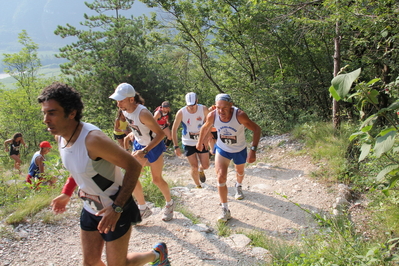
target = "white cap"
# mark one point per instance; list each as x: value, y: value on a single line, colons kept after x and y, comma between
x: 191, y: 98
x: 123, y: 91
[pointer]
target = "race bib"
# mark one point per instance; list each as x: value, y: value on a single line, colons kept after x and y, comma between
x: 228, y: 140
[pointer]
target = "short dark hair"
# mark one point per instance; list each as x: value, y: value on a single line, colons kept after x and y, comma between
x: 66, y: 96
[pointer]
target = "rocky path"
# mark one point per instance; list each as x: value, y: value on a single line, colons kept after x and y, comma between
x: 277, y: 178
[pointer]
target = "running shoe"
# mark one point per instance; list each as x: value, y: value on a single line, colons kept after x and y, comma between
x: 226, y: 215
x: 202, y: 176
x: 145, y: 213
x: 162, y: 250
x: 168, y: 212
x: 199, y: 186
x: 239, y: 195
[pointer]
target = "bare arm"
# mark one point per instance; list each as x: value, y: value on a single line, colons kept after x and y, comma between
x: 147, y: 119
x: 175, y: 127
x: 157, y: 115
x: 100, y: 146
x: 205, y: 129
x: 116, y: 126
x: 8, y: 141
x: 39, y: 162
x: 243, y: 118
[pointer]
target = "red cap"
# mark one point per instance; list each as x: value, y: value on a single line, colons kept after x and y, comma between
x: 45, y: 144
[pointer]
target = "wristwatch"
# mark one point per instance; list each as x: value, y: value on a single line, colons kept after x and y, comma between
x: 254, y: 148
x: 144, y: 151
x: 117, y: 209
x: 176, y: 147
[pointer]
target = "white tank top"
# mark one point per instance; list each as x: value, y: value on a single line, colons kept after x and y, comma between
x: 97, y: 179
x: 192, y: 124
x: 231, y: 134
x: 142, y: 133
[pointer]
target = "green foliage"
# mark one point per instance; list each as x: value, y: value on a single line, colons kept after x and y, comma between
x: 380, y: 140
x: 113, y: 49
x: 187, y: 213
x: 151, y: 192
x: 328, y: 146
x: 223, y: 229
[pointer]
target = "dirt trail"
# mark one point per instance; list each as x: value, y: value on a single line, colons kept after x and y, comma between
x: 277, y: 173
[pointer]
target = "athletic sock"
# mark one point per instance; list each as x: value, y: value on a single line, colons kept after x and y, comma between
x: 238, y: 184
x: 142, y: 207
x: 225, y: 205
x: 170, y: 202
x: 156, y: 255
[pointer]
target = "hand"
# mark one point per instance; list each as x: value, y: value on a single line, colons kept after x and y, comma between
x: 178, y: 152
x: 108, y: 222
x: 251, y: 156
x: 59, y: 203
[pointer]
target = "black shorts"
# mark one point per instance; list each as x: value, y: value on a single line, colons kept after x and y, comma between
x: 119, y: 136
x: 130, y: 216
x: 190, y: 150
x: 214, y: 134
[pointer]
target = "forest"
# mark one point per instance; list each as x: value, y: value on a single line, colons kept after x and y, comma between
x: 276, y: 60
x: 286, y: 63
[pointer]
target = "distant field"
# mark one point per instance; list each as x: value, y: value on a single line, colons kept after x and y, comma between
x: 52, y: 70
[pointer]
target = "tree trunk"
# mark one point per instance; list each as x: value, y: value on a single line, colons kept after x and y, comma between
x: 337, y: 63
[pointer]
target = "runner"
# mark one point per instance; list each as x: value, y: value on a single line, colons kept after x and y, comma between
x: 230, y: 123
x: 148, y: 145
x: 161, y: 114
x: 192, y: 117
x: 15, y: 143
x: 94, y: 162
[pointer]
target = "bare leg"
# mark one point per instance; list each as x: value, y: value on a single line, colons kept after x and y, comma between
x: 116, y: 251
x: 193, y: 161
x: 221, y: 167
x: 157, y: 179
x: 17, y: 162
x: 92, y: 246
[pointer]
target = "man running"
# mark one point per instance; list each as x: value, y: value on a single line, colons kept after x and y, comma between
x: 192, y: 117
x: 148, y: 145
x: 230, y: 123
x: 94, y: 162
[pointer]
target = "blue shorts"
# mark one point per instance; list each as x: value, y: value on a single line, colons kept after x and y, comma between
x: 130, y: 216
x: 237, y: 157
x: 154, y: 153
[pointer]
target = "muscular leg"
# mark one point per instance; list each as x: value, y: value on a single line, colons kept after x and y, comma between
x: 157, y: 179
x: 117, y: 255
x: 120, y: 142
x: 240, y: 171
x: 138, y: 190
x: 168, y: 133
x: 221, y: 167
x: 193, y: 161
x: 92, y: 247
x: 17, y: 161
x: 204, y: 161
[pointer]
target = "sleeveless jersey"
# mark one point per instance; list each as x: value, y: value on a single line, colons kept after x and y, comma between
x: 163, y: 120
x: 231, y: 137
x: 33, y: 167
x: 143, y: 135
x: 123, y: 126
x: 14, y: 147
x: 192, y: 124
x: 97, y: 179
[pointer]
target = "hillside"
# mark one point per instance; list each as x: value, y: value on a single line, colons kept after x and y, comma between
x: 278, y: 172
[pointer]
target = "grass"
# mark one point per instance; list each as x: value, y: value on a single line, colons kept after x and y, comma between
x: 338, y: 241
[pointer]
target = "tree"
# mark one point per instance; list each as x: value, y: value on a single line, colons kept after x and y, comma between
x: 24, y: 65
x: 114, y: 49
